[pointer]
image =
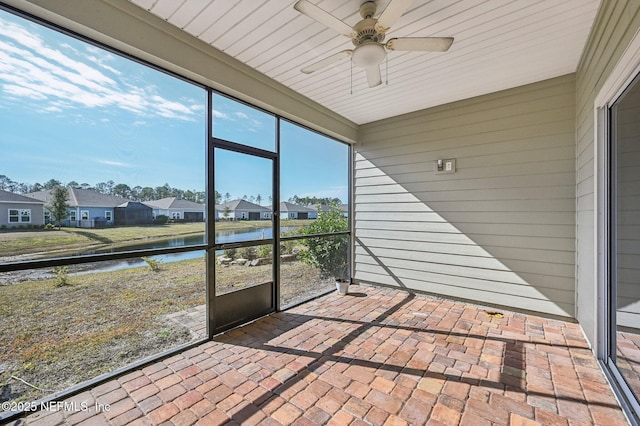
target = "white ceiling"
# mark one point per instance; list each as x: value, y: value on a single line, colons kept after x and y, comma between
x: 498, y: 44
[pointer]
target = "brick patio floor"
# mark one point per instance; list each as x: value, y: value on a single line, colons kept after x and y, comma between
x: 376, y: 356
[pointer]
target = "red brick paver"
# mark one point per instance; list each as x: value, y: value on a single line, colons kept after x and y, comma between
x: 378, y: 356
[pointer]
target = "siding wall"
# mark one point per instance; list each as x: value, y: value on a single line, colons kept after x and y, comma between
x: 615, y: 26
x: 501, y: 229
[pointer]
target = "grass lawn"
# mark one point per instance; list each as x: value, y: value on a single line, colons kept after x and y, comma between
x: 68, y: 240
x: 55, y: 337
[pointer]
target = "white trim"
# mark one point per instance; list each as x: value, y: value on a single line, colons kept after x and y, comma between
x: 82, y: 212
x: 19, y: 215
x: 627, y: 67
x: 621, y: 75
x: 108, y: 215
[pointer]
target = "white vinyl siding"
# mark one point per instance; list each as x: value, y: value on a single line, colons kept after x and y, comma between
x: 501, y: 229
x: 615, y: 26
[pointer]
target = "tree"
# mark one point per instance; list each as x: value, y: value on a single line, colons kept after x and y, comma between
x: 218, y: 198
x: 122, y: 190
x: 135, y: 193
x: 163, y: 191
x: 226, y: 212
x: 227, y: 197
x: 6, y: 183
x: 259, y: 199
x: 52, y: 183
x: 59, y: 205
x: 73, y: 184
x: 189, y: 195
x: 329, y: 254
x: 314, y: 201
x: 147, y: 193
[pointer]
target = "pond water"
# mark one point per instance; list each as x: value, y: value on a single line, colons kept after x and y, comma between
x: 222, y: 237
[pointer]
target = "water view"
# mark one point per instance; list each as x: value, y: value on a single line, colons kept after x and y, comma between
x: 221, y: 237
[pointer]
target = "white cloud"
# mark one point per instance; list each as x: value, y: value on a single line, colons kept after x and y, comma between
x: 242, y: 115
x: 29, y: 68
x: 220, y: 114
x: 115, y: 163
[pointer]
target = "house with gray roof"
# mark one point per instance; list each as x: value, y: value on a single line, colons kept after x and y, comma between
x: 87, y: 208
x: 178, y: 209
x: 242, y: 210
x: 294, y: 211
x: 17, y: 210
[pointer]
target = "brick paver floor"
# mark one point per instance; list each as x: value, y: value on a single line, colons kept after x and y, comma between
x: 376, y: 356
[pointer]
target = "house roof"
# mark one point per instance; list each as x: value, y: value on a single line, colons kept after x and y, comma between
x: 134, y: 205
x: 83, y: 198
x: 10, y: 197
x: 343, y: 207
x: 241, y: 205
x: 174, y: 203
x: 290, y: 207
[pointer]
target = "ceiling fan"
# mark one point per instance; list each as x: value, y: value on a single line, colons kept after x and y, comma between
x: 367, y: 36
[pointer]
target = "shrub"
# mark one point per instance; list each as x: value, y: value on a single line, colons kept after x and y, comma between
x: 264, y: 251
x: 231, y: 253
x: 62, y: 277
x: 161, y: 219
x: 154, y: 264
x: 249, y: 253
x: 329, y: 254
x: 49, y: 226
x: 3, y: 226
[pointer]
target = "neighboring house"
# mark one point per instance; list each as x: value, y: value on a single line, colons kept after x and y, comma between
x: 294, y: 211
x: 16, y: 210
x: 343, y: 207
x: 242, y: 210
x: 176, y: 208
x: 87, y: 208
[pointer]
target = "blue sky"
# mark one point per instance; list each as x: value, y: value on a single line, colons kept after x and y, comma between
x: 74, y: 112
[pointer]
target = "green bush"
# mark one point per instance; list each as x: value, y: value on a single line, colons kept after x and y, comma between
x: 264, y: 251
x: 161, y: 219
x: 249, y: 253
x: 329, y: 254
x: 154, y: 264
x: 231, y: 253
x: 62, y: 277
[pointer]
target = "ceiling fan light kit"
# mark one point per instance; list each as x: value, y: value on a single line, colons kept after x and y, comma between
x: 368, y: 54
x: 367, y: 37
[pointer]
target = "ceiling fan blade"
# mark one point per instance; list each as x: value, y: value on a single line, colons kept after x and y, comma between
x: 395, y: 9
x: 373, y: 76
x: 314, y: 12
x: 326, y: 61
x: 425, y: 44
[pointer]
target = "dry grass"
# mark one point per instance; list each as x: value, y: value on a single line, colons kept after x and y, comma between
x: 57, y: 336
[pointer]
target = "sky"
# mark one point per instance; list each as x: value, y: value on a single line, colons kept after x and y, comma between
x: 71, y: 111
